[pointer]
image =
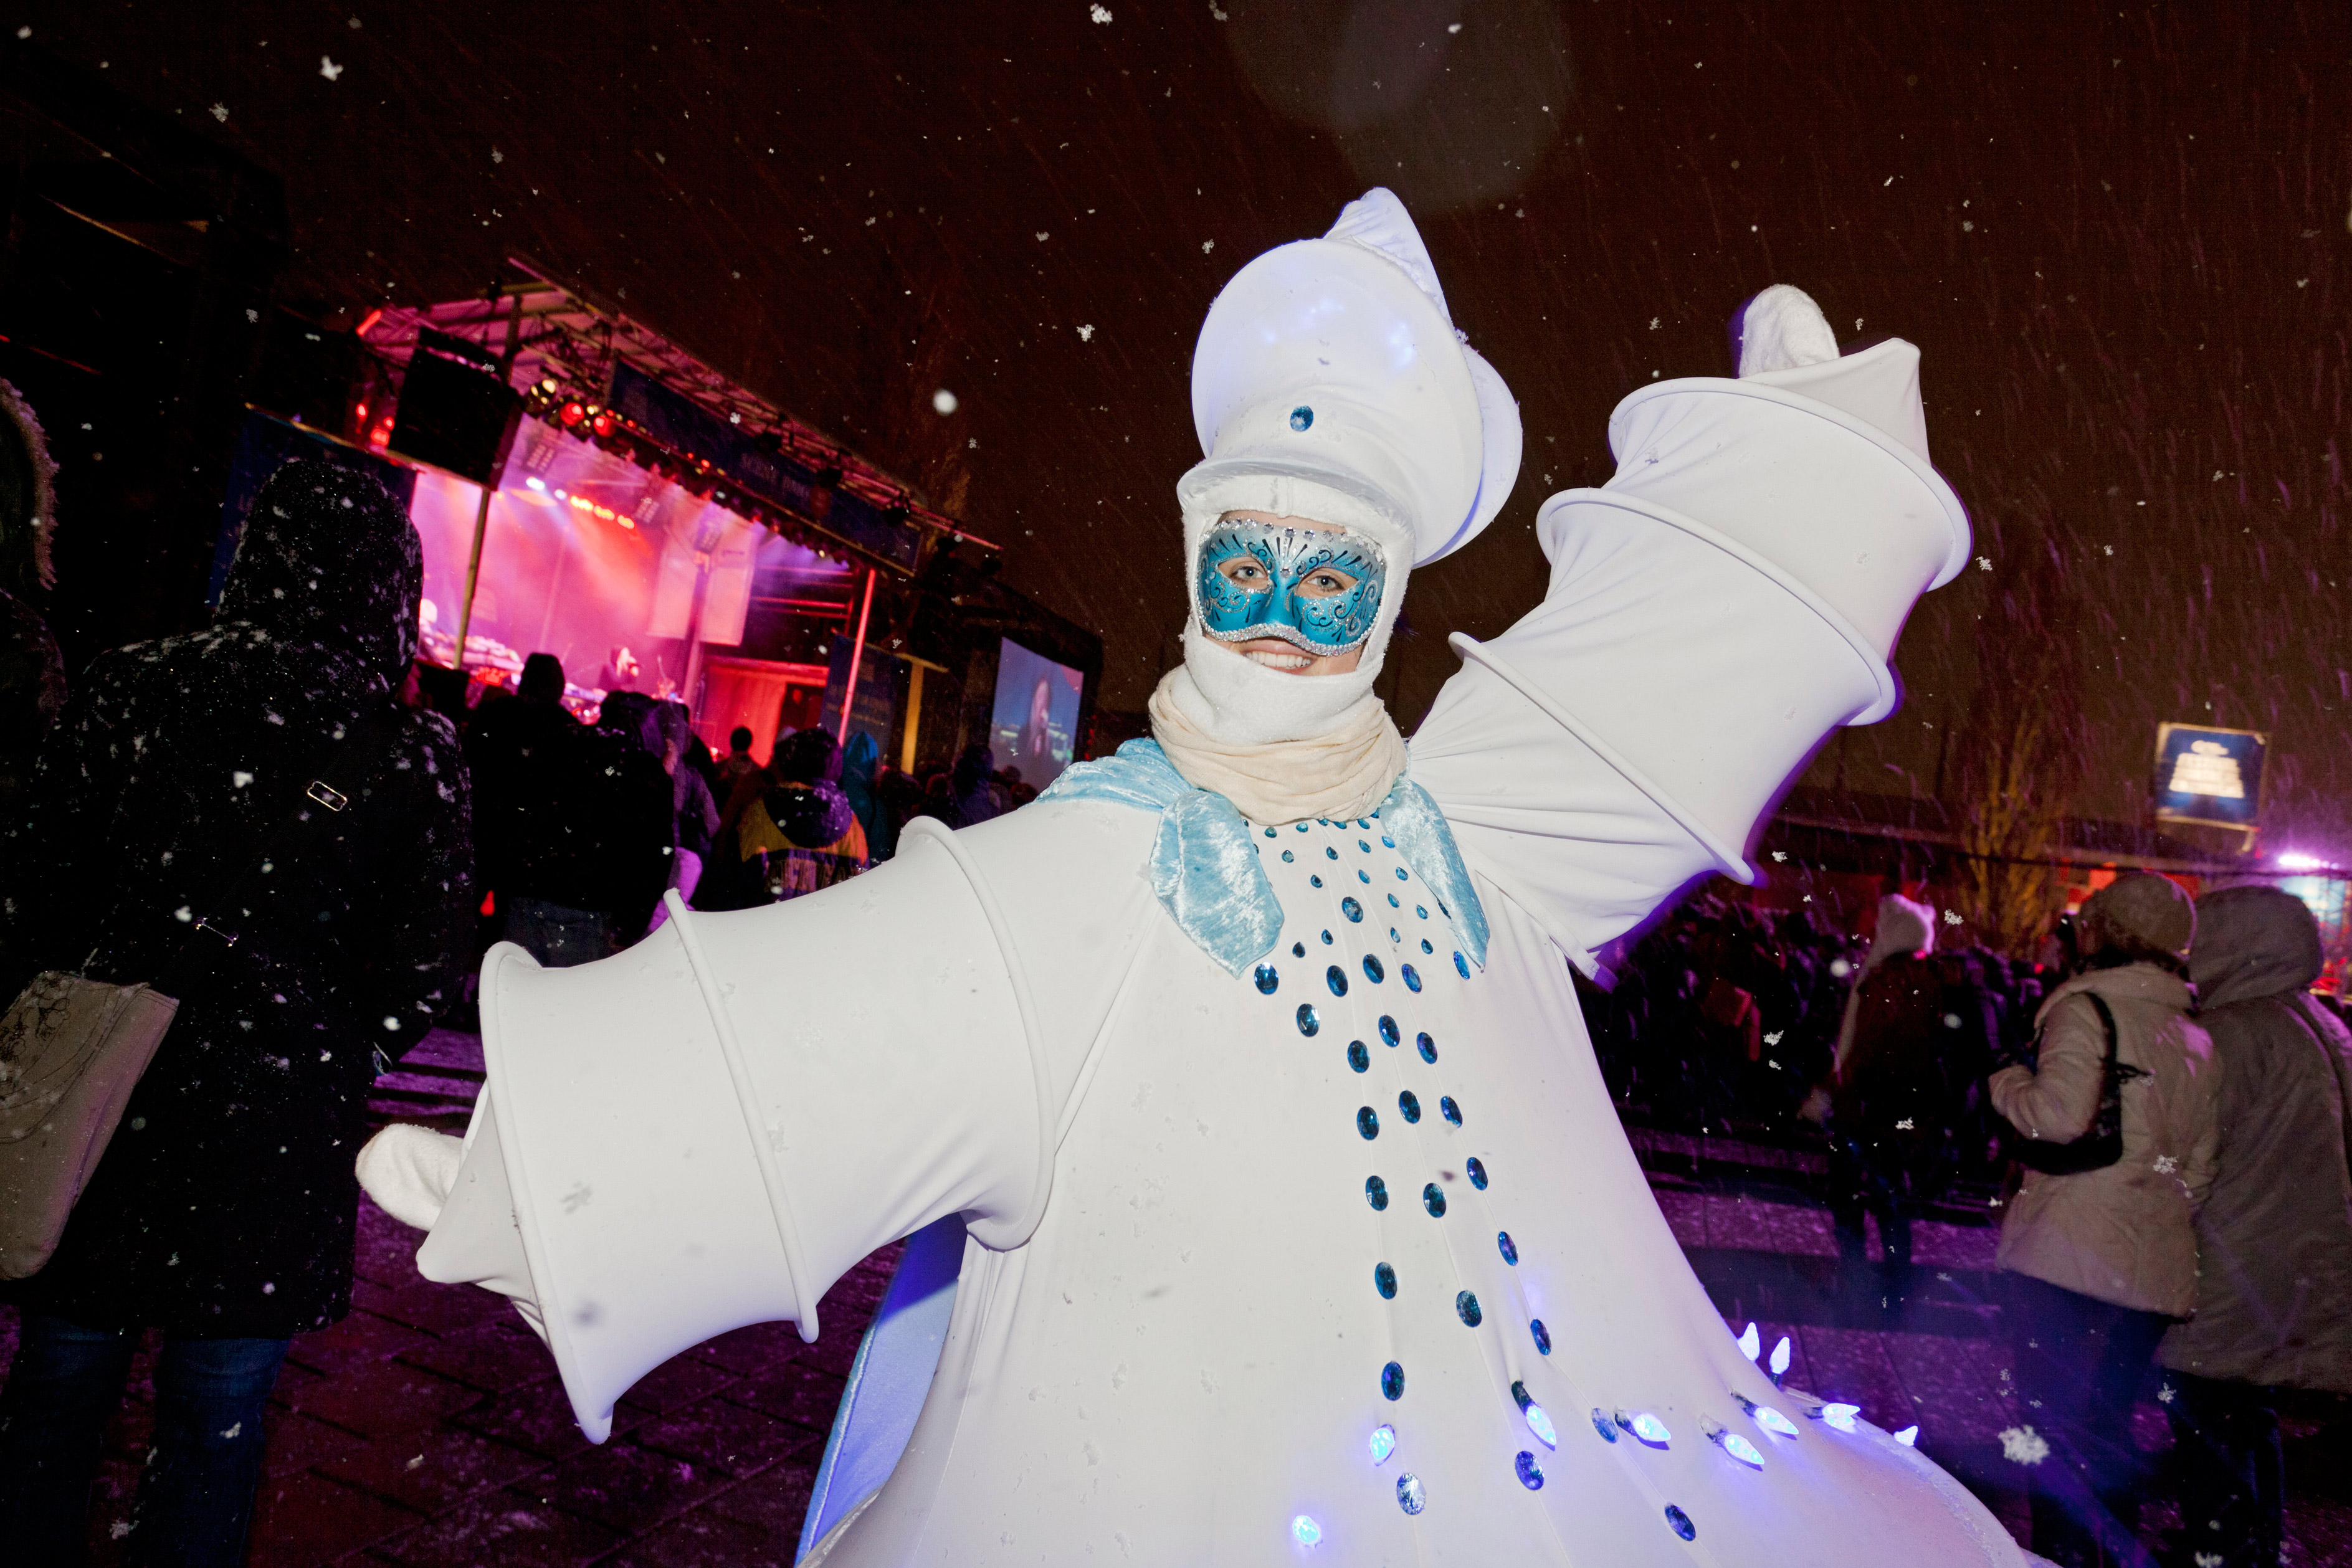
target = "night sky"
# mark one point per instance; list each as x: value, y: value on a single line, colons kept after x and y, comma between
x: 2119, y: 236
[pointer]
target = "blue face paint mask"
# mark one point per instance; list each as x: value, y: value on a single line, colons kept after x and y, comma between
x: 1320, y: 592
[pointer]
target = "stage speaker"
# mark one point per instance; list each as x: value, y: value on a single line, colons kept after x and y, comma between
x: 455, y: 410
x: 308, y: 373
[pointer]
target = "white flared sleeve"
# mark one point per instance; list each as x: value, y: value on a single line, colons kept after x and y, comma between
x: 710, y: 1129
x: 1727, y: 600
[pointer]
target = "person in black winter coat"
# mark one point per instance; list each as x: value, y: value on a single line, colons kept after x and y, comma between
x: 576, y: 832
x: 223, y: 1207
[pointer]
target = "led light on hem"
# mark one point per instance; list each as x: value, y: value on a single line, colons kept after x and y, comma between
x: 1840, y: 1417
x: 1538, y: 1422
x: 1781, y: 1357
x: 1908, y: 1437
x: 1751, y: 1344
x: 1738, y: 1447
x: 1764, y: 1416
x: 1383, y: 1443
x: 1647, y: 1427
x: 1306, y: 1531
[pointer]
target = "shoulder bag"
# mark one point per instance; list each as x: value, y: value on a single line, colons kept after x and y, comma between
x: 2101, y: 1144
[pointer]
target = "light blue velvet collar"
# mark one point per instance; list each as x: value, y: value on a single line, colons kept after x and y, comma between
x: 1204, y: 859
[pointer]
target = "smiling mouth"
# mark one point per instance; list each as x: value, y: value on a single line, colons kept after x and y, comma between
x: 1291, y: 663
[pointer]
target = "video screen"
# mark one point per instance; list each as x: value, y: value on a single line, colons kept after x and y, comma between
x: 1034, y: 727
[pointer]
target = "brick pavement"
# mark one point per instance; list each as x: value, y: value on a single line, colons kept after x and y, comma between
x: 428, y: 1428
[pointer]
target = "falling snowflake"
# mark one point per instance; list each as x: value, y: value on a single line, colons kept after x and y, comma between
x: 1779, y: 855
x: 2166, y: 1164
x: 1085, y: 334
x: 1984, y: 562
x: 2166, y: 1394
x: 1041, y: 236
x: 2024, y: 1445
x: 1454, y: 26
x: 1904, y: 1125
x: 2209, y: 1560
x: 496, y: 156
x: 1207, y: 245
x: 1951, y: 917
x: 1654, y: 323
x: 1101, y: 13
x: 328, y: 69
x: 1774, y: 1037
x: 220, y: 112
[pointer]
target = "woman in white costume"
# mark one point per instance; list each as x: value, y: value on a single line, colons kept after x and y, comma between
x: 1242, y: 1073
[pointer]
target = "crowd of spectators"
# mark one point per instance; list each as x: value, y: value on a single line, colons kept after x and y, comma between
x: 1726, y: 1017
x: 584, y: 820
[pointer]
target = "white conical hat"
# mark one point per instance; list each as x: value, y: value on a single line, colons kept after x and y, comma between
x: 1332, y: 365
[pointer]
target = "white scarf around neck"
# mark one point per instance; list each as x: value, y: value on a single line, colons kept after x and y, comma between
x: 1345, y: 771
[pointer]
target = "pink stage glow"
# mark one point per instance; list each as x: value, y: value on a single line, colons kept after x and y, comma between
x: 594, y: 559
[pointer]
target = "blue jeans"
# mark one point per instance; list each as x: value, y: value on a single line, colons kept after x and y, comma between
x: 196, y: 1489
x: 2079, y: 1366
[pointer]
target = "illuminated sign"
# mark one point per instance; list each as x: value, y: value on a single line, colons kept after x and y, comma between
x: 2208, y: 776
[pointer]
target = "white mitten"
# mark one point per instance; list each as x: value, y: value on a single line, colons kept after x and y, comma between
x: 1782, y: 329
x: 409, y: 1170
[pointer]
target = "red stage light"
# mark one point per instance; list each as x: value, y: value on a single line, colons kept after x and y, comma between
x: 602, y: 424
x: 571, y: 414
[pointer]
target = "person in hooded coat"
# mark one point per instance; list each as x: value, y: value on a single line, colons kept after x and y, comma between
x: 2274, y: 1237
x: 2102, y: 1261
x: 223, y: 1209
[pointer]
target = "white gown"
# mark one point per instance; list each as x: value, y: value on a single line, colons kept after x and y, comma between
x: 1214, y: 1248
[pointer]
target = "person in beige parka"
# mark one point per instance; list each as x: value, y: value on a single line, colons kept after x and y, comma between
x: 2102, y: 1261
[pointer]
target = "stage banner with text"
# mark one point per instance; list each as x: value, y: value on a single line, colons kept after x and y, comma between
x: 2208, y: 776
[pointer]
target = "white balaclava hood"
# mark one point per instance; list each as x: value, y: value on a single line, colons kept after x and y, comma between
x: 1330, y: 384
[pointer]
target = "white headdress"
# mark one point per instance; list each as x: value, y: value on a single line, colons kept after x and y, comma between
x: 1330, y: 384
